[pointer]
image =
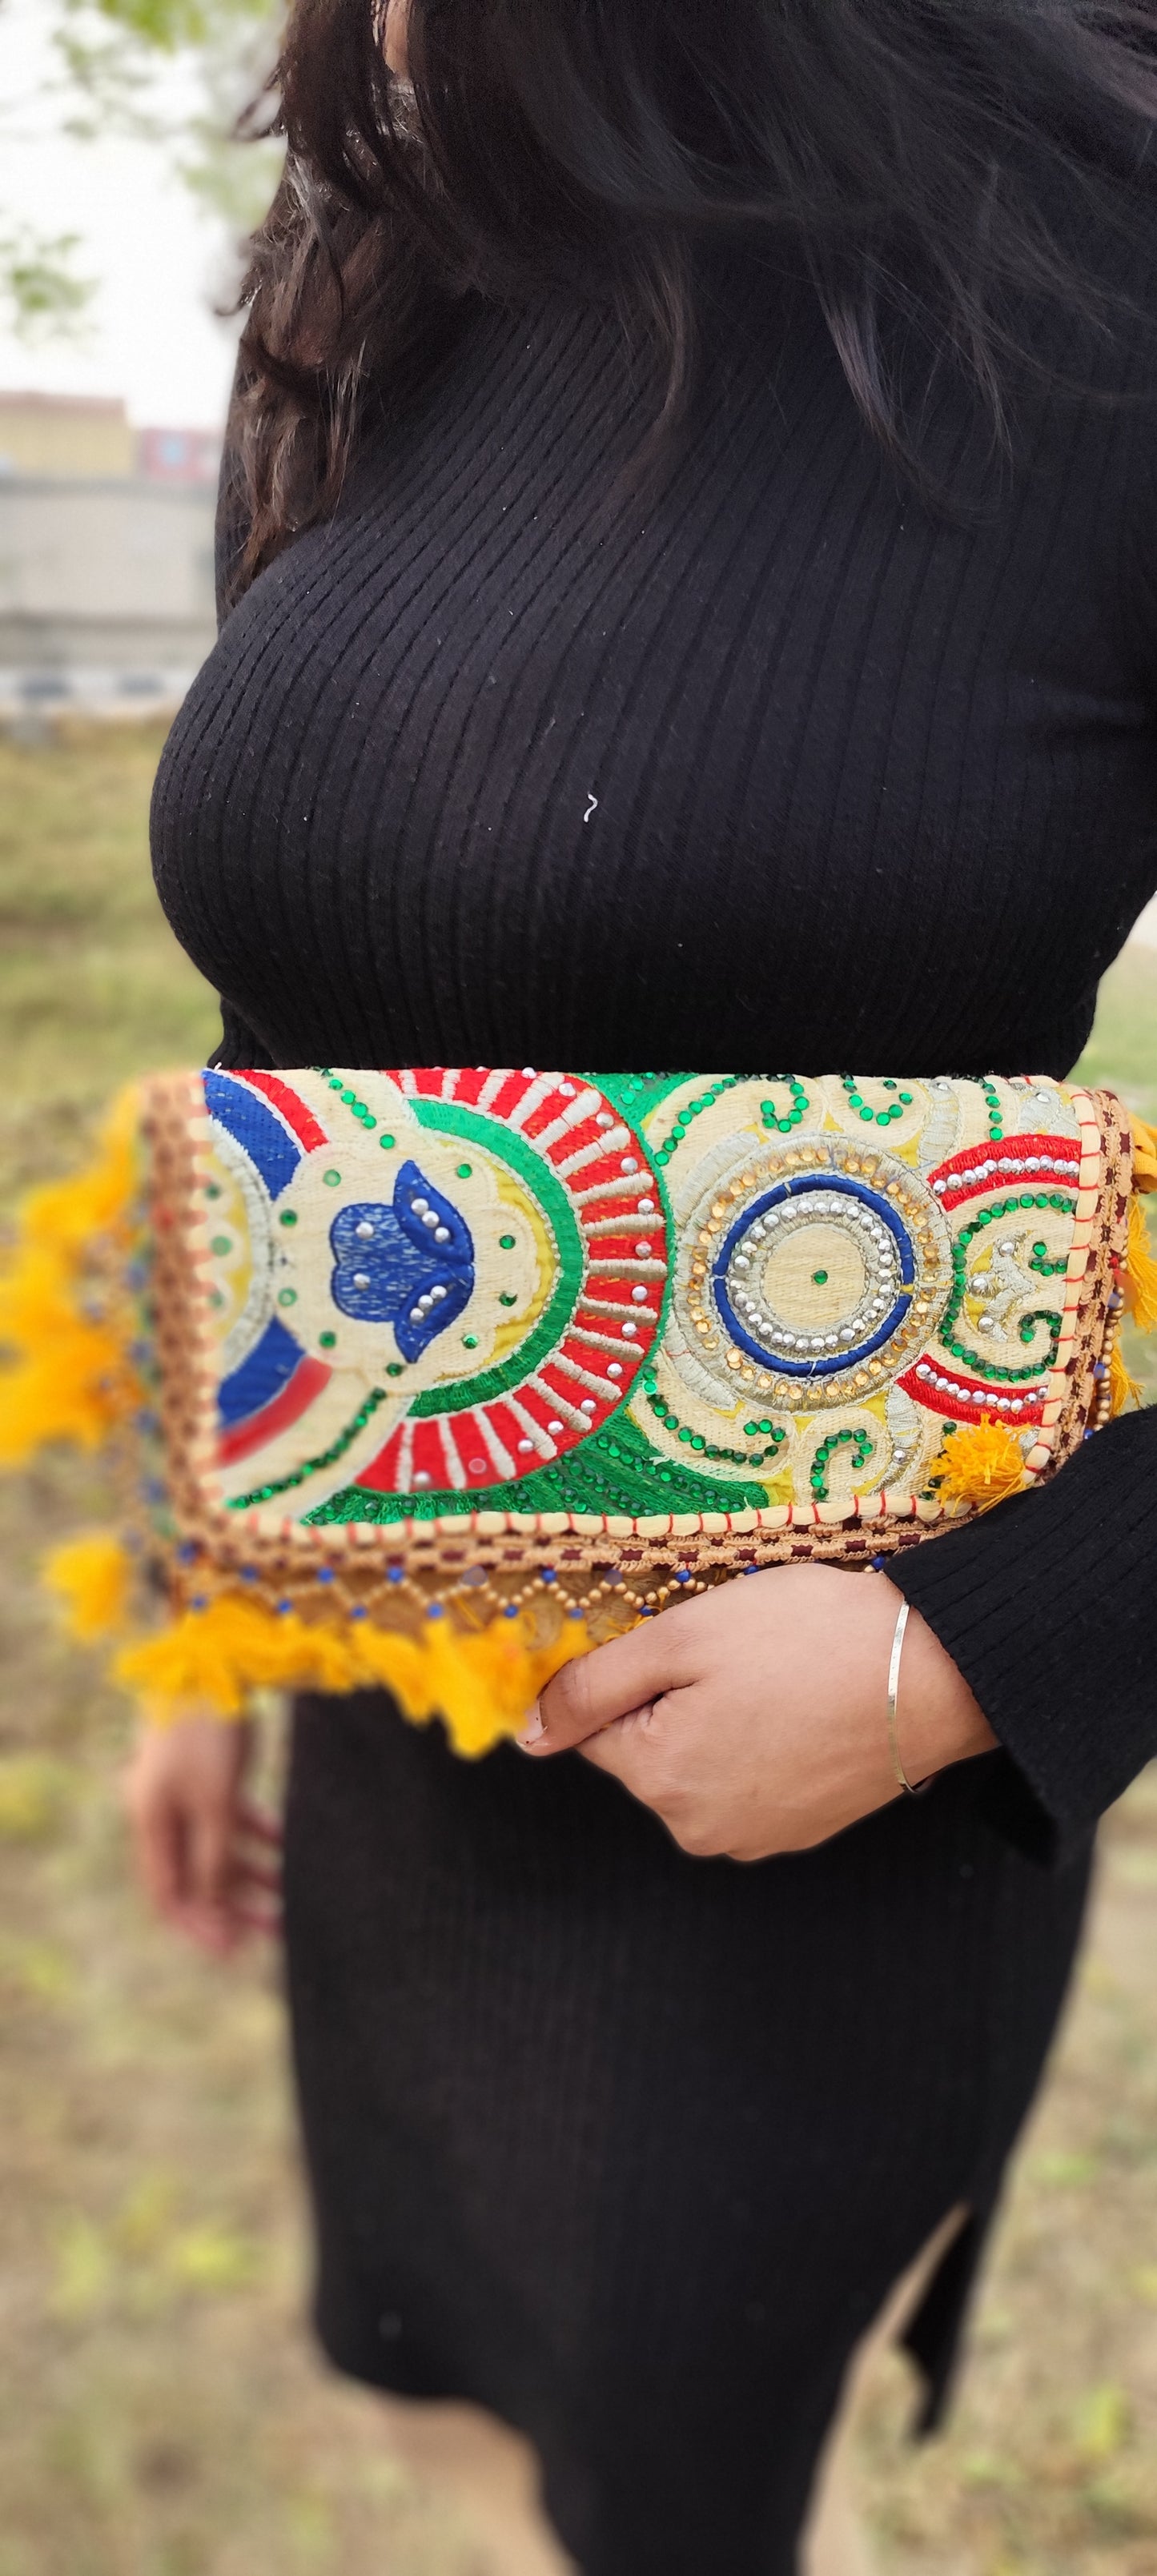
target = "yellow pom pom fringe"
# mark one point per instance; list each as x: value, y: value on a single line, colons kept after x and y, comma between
x: 69, y: 1377
x: 92, y: 1577
x: 1139, y: 1271
x: 1123, y: 1388
x: 982, y: 1464
x: 482, y: 1684
x: 1144, y: 1153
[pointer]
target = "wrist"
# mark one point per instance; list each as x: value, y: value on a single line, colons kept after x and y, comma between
x: 938, y: 1720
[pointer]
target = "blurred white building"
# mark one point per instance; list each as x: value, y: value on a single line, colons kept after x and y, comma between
x: 106, y: 556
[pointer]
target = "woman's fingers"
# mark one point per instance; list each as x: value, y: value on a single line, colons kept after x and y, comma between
x: 158, y: 1842
x: 264, y: 1827
x: 626, y: 1675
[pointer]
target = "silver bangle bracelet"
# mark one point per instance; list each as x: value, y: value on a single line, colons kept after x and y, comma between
x: 913, y: 1787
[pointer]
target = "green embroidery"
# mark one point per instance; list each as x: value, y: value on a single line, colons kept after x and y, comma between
x: 452, y: 1118
x: 693, y: 1110
x: 634, y: 1095
x: 864, y: 1447
x: 313, y: 1466
x: 615, y: 1471
x: 1020, y: 1200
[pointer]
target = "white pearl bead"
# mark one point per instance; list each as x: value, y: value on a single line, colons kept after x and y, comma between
x: 615, y: 1369
x: 364, y: 1230
x: 587, y: 1405
x: 629, y: 1332
x: 361, y: 1279
x: 640, y: 1296
x: 526, y: 1448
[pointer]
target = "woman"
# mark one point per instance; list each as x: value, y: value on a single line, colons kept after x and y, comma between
x: 691, y: 566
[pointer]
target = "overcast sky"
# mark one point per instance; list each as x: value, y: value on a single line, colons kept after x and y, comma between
x: 160, y: 260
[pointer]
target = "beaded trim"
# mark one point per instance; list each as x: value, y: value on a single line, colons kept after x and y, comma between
x: 478, y: 1339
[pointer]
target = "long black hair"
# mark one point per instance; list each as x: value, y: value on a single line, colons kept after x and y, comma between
x: 944, y: 161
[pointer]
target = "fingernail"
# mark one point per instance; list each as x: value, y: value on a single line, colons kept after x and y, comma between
x: 533, y: 1731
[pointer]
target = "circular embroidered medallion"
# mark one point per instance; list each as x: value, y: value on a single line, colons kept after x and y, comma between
x: 812, y: 1274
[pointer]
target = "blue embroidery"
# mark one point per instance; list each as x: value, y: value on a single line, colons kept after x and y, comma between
x: 410, y: 1265
x: 248, y: 1118
x: 262, y: 1375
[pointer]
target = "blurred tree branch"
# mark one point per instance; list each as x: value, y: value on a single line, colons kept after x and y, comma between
x: 175, y: 73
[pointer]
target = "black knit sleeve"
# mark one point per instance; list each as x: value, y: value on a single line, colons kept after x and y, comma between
x: 1047, y: 1605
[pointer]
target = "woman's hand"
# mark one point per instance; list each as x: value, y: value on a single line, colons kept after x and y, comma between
x: 207, y: 1857
x: 753, y: 1719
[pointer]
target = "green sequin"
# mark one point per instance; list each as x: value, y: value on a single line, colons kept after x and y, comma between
x: 314, y: 1466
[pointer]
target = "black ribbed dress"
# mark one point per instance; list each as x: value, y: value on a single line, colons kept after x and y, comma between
x: 763, y: 764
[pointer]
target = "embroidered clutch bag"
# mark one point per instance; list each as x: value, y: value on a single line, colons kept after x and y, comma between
x: 449, y: 1374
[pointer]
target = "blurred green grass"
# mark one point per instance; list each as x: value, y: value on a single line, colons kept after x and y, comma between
x: 161, y: 2411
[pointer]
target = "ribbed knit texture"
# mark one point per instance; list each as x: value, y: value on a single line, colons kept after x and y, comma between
x: 761, y: 767
x: 771, y: 770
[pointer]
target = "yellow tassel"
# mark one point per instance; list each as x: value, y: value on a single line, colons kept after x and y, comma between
x: 91, y: 1576
x: 1144, y: 1153
x: 1123, y: 1388
x: 481, y: 1684
x: 69, y: 1377
x: 1139, y: 1274
x: 981, y: 1465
